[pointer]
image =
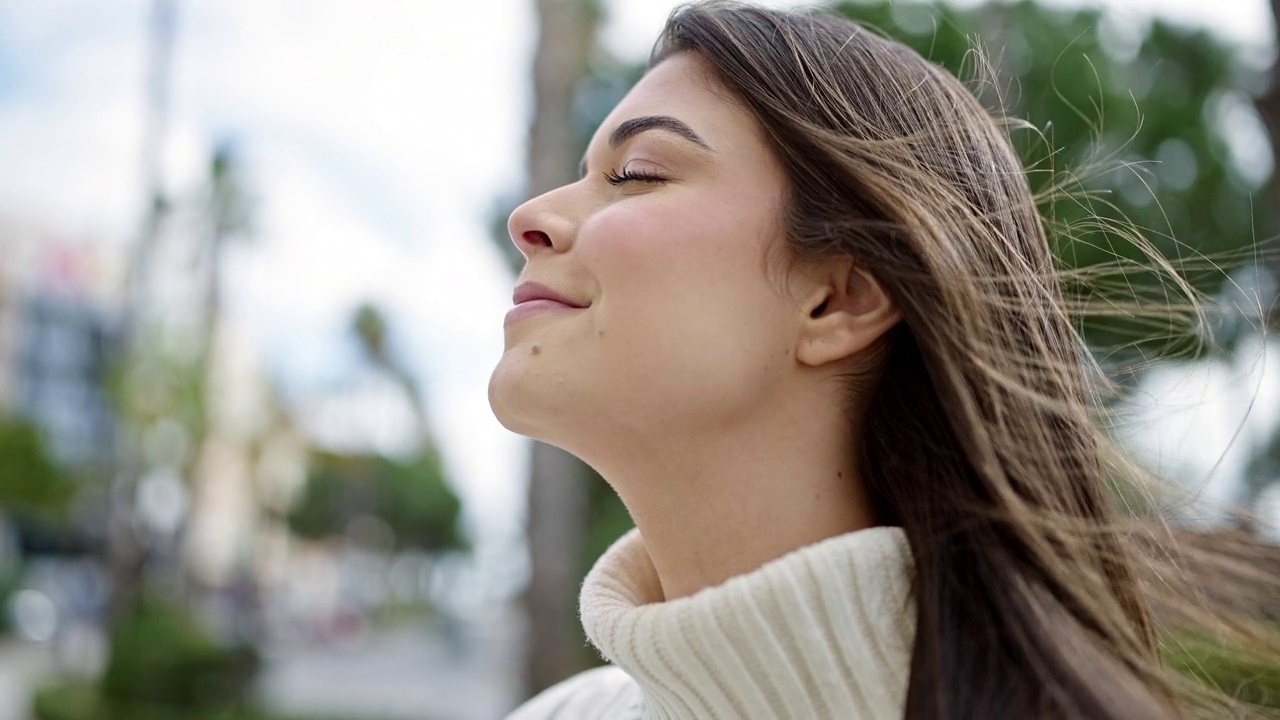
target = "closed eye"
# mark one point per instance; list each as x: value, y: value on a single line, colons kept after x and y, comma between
x: 625, y: 176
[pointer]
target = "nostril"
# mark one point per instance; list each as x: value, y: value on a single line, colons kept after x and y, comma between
x: 537, y: 237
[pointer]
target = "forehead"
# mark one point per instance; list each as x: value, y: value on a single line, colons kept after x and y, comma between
x: 684, y: 86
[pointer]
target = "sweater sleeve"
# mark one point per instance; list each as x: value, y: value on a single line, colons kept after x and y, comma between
x: 604, y: 693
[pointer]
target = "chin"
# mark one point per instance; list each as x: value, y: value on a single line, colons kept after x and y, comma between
x: 521, y: 403
x: 500, y: 399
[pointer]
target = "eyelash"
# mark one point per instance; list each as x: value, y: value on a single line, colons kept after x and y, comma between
x: 617, y: 179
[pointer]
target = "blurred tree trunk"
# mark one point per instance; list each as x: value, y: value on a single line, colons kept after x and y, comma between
x: 126, y: 548
x: 557, y: 516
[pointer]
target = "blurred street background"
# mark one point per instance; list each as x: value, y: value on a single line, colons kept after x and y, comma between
x: 253, y: 269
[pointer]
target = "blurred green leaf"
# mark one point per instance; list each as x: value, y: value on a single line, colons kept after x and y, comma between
x: 31, y: 485
x: 1250, y: 680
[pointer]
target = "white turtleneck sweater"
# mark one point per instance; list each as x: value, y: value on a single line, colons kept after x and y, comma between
x: 823, y: 632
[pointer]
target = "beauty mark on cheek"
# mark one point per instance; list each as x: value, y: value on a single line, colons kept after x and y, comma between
x: 535, y: 349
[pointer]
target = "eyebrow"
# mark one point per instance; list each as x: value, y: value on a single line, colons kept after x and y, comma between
x: 628, y: 129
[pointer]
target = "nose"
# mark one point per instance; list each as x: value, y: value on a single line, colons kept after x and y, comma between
x: 541, y: 225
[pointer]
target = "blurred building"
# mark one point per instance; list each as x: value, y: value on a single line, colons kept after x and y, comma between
x: 62, y: 368
x: 57, y: 327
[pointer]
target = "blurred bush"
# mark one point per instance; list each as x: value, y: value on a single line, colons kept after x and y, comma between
x: 411, y: 496
x: 8, y: 585
x: 1251, y: 680
x: 159, y: 655
x: 35, y: 498
x: 32, y: 487
x: 161, y: 666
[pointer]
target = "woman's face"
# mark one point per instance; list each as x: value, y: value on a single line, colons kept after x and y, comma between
x: 665, y: 245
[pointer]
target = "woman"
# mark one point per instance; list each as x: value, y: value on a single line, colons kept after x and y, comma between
x: 800, y: 312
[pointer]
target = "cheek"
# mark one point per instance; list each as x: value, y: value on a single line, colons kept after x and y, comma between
x: 685, y: 306
x: 662, y: 272
x: 660, y: 248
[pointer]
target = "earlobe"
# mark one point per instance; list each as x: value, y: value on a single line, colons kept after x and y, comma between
x: 846, y: 316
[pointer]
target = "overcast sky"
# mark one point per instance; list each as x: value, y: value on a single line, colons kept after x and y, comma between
x: 378, y: 136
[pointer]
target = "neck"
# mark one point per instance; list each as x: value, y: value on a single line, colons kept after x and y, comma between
x: 712, y: 506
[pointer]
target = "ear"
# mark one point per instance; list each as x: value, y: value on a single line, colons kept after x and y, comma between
x: 847, y: 311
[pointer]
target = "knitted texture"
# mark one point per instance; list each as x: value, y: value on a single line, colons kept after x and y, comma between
x: 823, y: 632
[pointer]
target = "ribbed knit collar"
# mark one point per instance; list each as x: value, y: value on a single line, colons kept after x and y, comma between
x: 824, y: 632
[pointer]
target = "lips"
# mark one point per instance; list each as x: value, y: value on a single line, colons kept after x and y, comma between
x: 535, y: 299
x: 530, y: 291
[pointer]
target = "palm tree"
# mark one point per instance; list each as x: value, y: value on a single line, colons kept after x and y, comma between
x: 369, y: 325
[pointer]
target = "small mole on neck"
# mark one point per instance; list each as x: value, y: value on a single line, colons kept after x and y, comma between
x: 535, y: 349
x: 600, y: 333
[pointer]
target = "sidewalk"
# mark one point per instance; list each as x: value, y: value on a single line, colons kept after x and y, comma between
x: 416, y: 672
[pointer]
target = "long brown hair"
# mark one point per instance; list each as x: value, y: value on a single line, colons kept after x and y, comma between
x: 977, y: 431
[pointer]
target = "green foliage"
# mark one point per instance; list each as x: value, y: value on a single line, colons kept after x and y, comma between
x: 31, y: 486
x: 371, y: 327
x: 9, y: 584
x: 1130, y: 129
x: 160, y: 657
x: 1248, y: 680
x: 411, y: 496
x: 418, y: 504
